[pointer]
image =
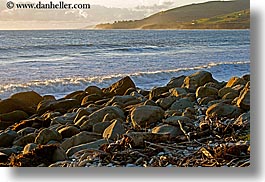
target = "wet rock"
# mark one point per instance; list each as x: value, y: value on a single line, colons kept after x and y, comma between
x: 69, y: 131
x: 7, y: 138
x: 114, y: 131
x: 47, y: 135
x: 80, y: 138
x: 91, y: 145
x: 197, y: 79
x: 223, y: 110
x: 181, y: 104
x: 244, y: 98
x: 90, y: 99
x: 173, y: 131
x: 235, y: 81
x: 143, y: 116
x: 120, y: 87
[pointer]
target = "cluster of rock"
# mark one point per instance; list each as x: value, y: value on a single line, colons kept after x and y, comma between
x: 103, y: 126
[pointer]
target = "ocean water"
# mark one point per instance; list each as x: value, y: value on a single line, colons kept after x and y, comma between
x: 62, y: 61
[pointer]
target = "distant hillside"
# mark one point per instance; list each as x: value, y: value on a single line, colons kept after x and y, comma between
x: 209, y: 15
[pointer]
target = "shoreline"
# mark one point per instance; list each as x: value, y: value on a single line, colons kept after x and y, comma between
x: 192, y: 121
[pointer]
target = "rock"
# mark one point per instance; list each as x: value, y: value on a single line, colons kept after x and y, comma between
x: 178, y: 92
x: 235, y: 81
x: 10, y: 105
x: 246, y: 77
x: 206, y: 91
x: 230, y: 95
x: 28, y: 99
x: 216, y: 85
x: 143, y: 116
x: 22, y: 141
x: 26, y: 131
x: 5, y: 124
x: 156, y: 92
x: 80, y: 138
x: 91, y: 145
x: 29, y: 147
x: 197, y: 79
x: 46, y: 135
x: 243, y: 120
x: 48, y: 97
x: 173, y: 131
x: 176, y: 82
x: 223, y: 110
x: 7, y: 138
x: 57, y: 105
x: 120, y: 99
x: 181, y: 104
x: 3, y: 157
x: 137, y: 139
x: 225, y: 90
x: 64, y: 119
x: 90, y: 99
x: 69, y: 131
x: 244, y: 98
x: 120, y: 87
x: 35, y: 122
x: 98, y: 116
x: 205, y: 100
x: 59, y: 155
x: 149, y: 103
x: 82, y: 112
x: 77, y: 95
x: 166, y: 102
x: 14, y: 116
x: 10, y: 151
x: 114, y: 130
x: 173, y: 120
x: 100, y: 127
x: 93, y: 90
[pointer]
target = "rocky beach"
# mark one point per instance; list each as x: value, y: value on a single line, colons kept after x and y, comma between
x: 192, y: 121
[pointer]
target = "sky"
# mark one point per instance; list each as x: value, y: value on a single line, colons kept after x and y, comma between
x: 101, y: 11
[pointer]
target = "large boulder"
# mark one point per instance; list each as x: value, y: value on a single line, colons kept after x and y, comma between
x: 178, y: 92
x: 69, y: 131
x: 166, y: 102
x: 93, y: 90
x: 143, y: 116
x: 24, y: 140
x: 28, y: 99
x: 223, y: 110
x: 14, y: 116
x: 197, y: 79
x: 10, y: 105
x: 244, y: 98
x: 120, y: 87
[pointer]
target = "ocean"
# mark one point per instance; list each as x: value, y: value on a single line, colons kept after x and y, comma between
x: 62, y: 61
